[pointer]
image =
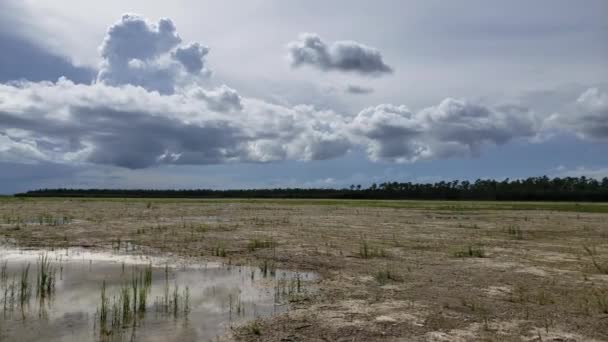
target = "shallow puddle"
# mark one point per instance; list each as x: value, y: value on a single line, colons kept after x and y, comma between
x: 79, y: 295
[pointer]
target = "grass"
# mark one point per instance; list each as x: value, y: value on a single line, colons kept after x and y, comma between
x: 130, y: 304
x: 18, y: 291
x: 515, y: 232
x: 601, y: 297
x: 594, y: 260
x: 24, y: 286
x: 581, y: 207
x: 386, y: 275
x: 267, y: 268
x: 260, y: 244
x: 219, y: 251
x: 470, y: 252
x: 367, y: 251
x: 45, y: 281
x: 253, y: 328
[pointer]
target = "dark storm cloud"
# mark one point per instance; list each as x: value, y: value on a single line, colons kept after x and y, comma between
x: 157, y: 139
x: 347, y: 56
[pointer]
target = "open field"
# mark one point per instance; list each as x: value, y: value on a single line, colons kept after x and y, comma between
x: 389, y: 270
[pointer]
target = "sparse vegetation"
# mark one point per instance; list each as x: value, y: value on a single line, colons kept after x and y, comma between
x: 516, y: 232
x: 260, y: 243
x: 470, y: 252
x: 366, y: 250
x: 386, y: 275
x: 592, y: 253
x: 381, y: 263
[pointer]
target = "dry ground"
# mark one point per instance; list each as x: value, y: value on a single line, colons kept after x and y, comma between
x: 410, y: 271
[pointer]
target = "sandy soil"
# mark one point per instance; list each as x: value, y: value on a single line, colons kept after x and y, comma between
x: 389, y: 274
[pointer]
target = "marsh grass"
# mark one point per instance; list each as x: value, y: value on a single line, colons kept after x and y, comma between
x: 515, y: 232
x: 386, y: 275
x: 253, y: 328
x: 291, y: 289
x: 367, y: 251
x: 24, y: 286
x: 267, y: 268
x: 260, y: 244
x: 53, y: 221
x: 129, y: 305
x: 219, y: 251
x: 470, y: 252
x: 601, y: 299
x: 17, y: 291
x: 45, y: 279
x: 602, y: 268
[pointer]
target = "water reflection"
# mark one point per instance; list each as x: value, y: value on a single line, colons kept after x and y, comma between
x: 78, y: 295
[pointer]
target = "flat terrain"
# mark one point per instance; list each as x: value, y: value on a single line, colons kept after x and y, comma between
x: 389, y: 270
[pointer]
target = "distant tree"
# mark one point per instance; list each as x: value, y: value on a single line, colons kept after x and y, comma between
x: 533, y: 188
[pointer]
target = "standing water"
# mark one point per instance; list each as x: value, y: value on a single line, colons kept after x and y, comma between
x: 78, y: 295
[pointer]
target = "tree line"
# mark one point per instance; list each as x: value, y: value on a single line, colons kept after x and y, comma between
x: 530, y: 189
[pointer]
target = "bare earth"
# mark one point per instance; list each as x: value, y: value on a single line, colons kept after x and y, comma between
x: 421, y: 271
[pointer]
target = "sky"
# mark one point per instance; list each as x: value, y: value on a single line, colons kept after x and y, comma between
x: 234, y: 94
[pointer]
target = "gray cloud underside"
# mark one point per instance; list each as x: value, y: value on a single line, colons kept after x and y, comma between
x: 346, y: 56
x: 132, y: 127
x: 358, y: 90
x: 588, y: 118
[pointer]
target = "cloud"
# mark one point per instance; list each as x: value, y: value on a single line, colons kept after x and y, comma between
x: 597, y: 173
x: 148, y: 108
x: 191, y: 57
x: 133, y: 37
x: 22, y: 58
x: 389, y: 132
x: 346, y: 56
x: 451, y: 128
x: 138, y: 52
x: 221, y: 99
x: 588, y: 118
x: 132, y: 127
x: 358, y: 90
x: 17, y: 150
